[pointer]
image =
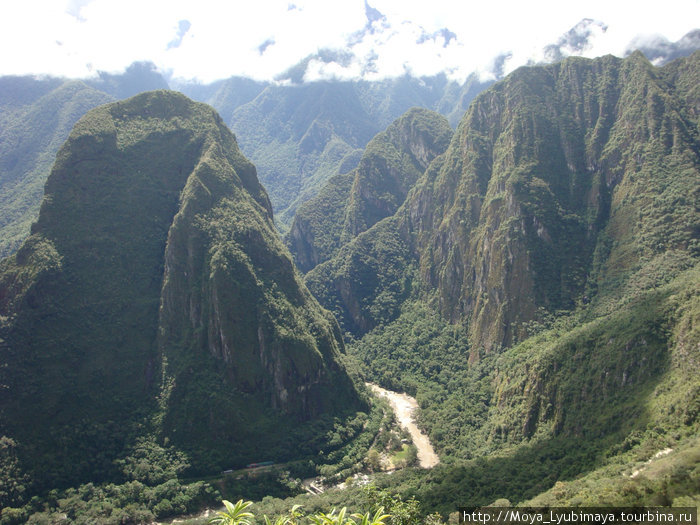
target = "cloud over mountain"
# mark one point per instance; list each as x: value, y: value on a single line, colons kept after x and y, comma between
x: 211, y: 40
x: 660, y: 50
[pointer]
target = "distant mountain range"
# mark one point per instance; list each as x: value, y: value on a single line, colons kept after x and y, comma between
x: 298, y: 134
x: 520, y: 255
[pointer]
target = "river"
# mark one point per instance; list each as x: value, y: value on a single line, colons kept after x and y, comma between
x: 404, y: 406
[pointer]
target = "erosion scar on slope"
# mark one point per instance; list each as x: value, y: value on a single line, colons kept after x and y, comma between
x: 403, y: 406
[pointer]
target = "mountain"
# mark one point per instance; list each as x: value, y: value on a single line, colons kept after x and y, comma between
x: 661, y: 51
x: 36, y: 118
x: 574, y: 41
x: 524, y: 213
x: 351, y: 203
x: 300, y: 135
x: 154, y: 298
x: 297, y: 130
x: 224, y: 95
x: 137, y: 78
x: 538, y: 291
x: 297, y: 135
x: 532, y: 278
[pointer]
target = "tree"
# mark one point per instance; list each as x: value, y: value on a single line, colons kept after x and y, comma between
x: 368, y: 519
x: 234, y: 514
x: 332, y: 518
x: 373, y: 460
x: 13, y: 481
x: 237, y: 515
x: 400, y: 512
x: 290, y: 519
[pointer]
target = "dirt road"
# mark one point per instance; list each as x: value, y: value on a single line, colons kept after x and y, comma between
x: 403, y: 406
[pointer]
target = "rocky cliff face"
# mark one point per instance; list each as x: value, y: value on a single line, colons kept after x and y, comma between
x: 560, y: 185
x: 351, y: 203
x: 154, y: 271
x: 546, y: 168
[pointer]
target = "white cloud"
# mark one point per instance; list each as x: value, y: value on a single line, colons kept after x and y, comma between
x: 78, y: 37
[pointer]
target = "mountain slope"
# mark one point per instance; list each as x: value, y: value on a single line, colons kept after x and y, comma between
x: 137, y: 78
x: 351, y: 203
x: 37, y: 116
x: 538, y: 291
x: 300, y: 135
x: 31, y: 133
x: 562, y: 164
x: 154, y: 297
x: 567, y: 416
x: 561, y: 184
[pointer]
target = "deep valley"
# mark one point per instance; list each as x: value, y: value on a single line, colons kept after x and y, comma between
x: 522, y: 257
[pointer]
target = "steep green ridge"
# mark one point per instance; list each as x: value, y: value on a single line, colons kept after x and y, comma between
x: 154, y: 298
x: 567, y: 416
x: 32, y: 128
x: 36, y: 118
x: 351, y: 203
x: 300, y: 135
x: 561, y: 185
x: 538, y: 290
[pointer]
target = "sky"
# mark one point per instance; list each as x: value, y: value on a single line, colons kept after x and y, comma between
x: 208, y: 40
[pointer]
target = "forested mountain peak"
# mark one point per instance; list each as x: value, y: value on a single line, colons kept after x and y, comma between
x: 352, y: 202
x: 37, y: 116
x: 153, y: 293
x: 530, y: 208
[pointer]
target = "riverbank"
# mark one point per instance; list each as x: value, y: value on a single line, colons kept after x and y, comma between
x: 404, y: 407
